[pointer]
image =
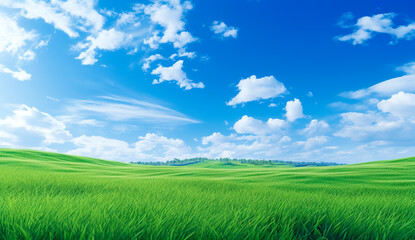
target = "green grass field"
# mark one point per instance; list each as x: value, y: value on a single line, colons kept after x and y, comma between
x: 54, y: 196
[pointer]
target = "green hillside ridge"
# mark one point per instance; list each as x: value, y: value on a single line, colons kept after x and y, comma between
x: 55, y: 196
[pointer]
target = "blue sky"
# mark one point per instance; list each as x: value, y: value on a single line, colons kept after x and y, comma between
x: 163, y: 79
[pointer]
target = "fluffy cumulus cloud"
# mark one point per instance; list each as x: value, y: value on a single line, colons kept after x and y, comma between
x: 19, y: 74
x: 315, y: 127
x: 169, y: 14
x: 368, y: 26
x: 175, y: 73
x: 149, y: 60
x: 394, y: 120
x: 401, y: 105
x: 294, y: 110
x: 151, y: 147
x: 253, y: 88
x: 224, y: 30
x: 249, y: 125
x: 314, y: 142
x: 28, y: 127
x: 105, y: 40
x: 387, y: 88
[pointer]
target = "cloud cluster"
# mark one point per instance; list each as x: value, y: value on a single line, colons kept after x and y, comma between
x: 366, y: 27
x: 169, y: 15
x: 28, y: 127
x: 249, y: 125
x: 146, y: 26
x: 224, y: 30
x: 151, y: 147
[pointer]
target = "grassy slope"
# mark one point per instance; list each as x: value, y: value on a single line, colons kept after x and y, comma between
x: 46, y: 195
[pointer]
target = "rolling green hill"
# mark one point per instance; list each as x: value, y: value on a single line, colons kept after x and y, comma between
x: 54, y: 196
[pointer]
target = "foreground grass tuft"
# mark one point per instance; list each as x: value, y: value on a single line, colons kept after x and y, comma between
x: 54, y: 196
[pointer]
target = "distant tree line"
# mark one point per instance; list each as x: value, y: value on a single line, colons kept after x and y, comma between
x: 189, y: 161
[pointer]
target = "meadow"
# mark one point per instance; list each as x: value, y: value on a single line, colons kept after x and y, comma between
x: 54, y: 196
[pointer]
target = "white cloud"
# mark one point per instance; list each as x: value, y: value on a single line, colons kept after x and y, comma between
x: 385, y: 88
x: 163, y: 19
x: 13, y: 37
x: 294, y: 110
x: 28, y: 55
x: 367, y: 26
x: 105, y: 40
x: 408, y: 68
x: 103, y: 148
x: 253, y: 88
x: 50, y: 13
x: 115, y: 108
x: 272, y: 105
x: 190, y: 55
x: 153, y: 41
x: 150, y: 59
x: 372, y: 126
x: 315, y: 127
x: 20, y: 74
x: 314, y: 142
x: 250, y: 125
x: 175, y: 73
x: 404, y: 83
x: 151, y: 147
x: 42, y: 43
x: 128, y: 18
x: 233, y: 146
x: 169, y: 15
x: 68, y: 16
x: 84, y: 10
x: 29, y: 127
x: 222, y: 29
x: 169, y: 148
x: 183, y: 53
x: 401, y: 105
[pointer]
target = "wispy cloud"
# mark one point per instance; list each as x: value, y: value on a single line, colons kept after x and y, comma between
x: 116, y: 108
x: 20, y: 74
